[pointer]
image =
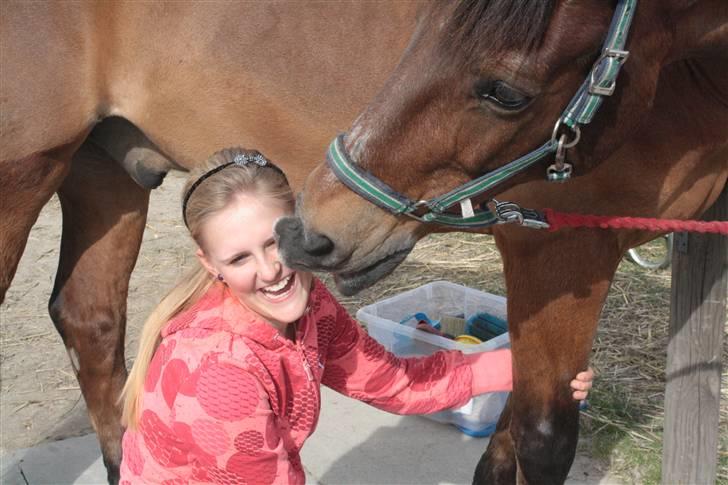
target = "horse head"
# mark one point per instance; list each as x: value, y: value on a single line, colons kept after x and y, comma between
x: 480, y: 84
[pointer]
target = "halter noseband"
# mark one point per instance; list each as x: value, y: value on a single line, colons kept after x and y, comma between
x: 599, y: 83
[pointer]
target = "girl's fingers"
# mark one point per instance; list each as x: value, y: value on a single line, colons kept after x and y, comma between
x: 578, y: 385
x: 587, y: 375
x: 582, y: 384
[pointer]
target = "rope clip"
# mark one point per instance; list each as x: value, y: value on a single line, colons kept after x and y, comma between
x: 511, y: 213
x: 560, y: 171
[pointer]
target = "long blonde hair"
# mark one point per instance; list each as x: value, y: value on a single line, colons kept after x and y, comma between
x: 205, y: 194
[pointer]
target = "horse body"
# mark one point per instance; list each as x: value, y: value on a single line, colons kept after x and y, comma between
x: 193, y: 77
x: 657, y: 148
x: 100, y: 100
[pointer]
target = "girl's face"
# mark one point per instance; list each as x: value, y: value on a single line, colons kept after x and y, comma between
x: 239, y: 245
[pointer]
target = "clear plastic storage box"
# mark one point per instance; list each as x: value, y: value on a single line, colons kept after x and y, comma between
x: 439, y: 299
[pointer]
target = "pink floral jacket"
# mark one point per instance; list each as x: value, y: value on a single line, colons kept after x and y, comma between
x: 228, y: 399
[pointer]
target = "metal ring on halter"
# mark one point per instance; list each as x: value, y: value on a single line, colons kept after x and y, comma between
x: 417, y: 206
x: 575, y: 129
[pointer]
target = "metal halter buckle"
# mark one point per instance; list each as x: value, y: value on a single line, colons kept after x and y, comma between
x: 562, y: 140
x: 620, y: 56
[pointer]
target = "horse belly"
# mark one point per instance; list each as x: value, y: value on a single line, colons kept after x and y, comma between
x: 279, y: 77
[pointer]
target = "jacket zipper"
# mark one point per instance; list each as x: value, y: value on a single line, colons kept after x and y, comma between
x: 301, y: 354
x: 306, y: 365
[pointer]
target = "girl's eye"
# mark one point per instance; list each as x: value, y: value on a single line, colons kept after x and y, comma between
x: 239, y: 259
x: 501, y: 94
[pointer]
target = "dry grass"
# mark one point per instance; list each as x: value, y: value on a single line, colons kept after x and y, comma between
x: 624, y: 422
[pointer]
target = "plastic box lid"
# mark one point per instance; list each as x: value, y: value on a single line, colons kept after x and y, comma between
x: 436, y: 299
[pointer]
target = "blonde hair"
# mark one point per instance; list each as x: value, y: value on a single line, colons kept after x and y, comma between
x: 205, y: 194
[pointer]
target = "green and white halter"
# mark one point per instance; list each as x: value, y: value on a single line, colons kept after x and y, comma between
x: 599, y: 83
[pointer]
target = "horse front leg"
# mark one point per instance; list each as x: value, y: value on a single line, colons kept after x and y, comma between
x: 556, y: 284
x: 104, y: 214
x: 498, y: 463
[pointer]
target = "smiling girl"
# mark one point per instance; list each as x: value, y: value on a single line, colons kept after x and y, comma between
x: 225, y: 386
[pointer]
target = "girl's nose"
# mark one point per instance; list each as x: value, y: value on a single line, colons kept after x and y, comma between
x: 269, y: 269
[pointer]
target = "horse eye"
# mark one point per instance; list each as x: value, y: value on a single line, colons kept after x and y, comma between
x: 502, y: 95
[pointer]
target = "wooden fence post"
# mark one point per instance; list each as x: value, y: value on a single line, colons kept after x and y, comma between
x: 697, y: 324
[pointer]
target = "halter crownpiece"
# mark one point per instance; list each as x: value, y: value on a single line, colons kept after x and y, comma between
x: 239, y: 160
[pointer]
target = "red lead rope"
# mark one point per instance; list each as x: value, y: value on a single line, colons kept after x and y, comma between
x: 559, y: 220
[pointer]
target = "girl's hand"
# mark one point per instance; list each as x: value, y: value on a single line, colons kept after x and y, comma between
x: 582, y: 384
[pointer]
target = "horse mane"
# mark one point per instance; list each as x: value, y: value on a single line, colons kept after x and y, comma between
x: 494, y: 25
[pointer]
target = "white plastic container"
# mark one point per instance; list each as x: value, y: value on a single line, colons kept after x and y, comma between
x: 479, y: 416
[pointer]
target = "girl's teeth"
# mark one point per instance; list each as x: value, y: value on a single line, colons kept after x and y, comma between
x: 279, y: 286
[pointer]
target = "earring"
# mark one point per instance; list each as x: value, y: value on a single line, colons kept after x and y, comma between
x: 219, y: 277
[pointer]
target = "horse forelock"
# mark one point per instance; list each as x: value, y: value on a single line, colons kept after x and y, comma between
x: 496, y: 25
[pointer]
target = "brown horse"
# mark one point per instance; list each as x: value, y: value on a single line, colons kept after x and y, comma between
x: 482, y: 83
x: 100, y: 99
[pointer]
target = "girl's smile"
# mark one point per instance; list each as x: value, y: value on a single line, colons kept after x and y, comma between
x: 281, y: 290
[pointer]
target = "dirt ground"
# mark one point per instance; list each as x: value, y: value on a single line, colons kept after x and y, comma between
x: 40, y: 399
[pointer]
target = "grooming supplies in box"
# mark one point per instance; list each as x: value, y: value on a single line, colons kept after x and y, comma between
x: 393, y: 322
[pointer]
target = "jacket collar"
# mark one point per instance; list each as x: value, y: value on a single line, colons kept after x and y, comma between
x: 219, y: 310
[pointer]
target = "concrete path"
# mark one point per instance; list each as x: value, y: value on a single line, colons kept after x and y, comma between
x: 354, y: 444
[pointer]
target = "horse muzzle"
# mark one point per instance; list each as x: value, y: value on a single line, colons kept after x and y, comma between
x: 310, y: 251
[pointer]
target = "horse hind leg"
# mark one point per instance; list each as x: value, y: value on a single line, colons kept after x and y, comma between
x: 104, y: 213
x: 26, y: 186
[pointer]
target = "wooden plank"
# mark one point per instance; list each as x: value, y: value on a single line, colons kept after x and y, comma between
x: 697, y: 325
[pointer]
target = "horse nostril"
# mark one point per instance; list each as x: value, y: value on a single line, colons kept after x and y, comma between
x: 292, y: 235
x: 317, y: 244
x: 288, y: 229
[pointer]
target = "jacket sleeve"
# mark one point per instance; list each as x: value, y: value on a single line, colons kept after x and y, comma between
x: 360, y: 367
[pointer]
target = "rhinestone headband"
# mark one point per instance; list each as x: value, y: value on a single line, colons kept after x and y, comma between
x: 240, y: 160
